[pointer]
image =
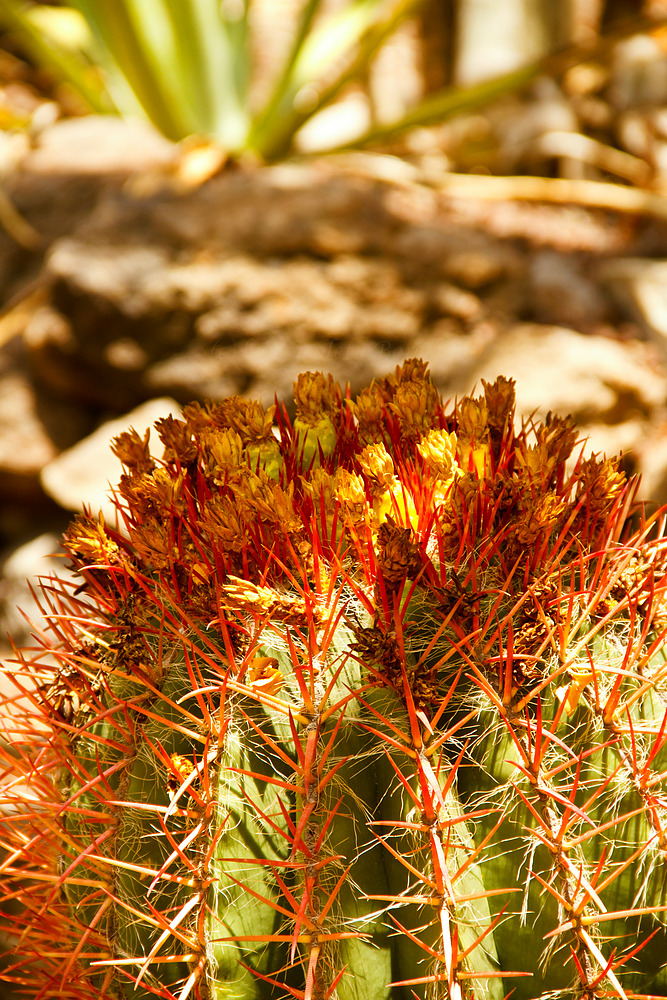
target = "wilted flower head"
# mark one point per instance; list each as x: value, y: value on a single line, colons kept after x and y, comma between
x: 133, y: 451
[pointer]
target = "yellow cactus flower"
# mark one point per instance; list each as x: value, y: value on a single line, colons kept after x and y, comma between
x: 473, y: 435
x: 438, y: 449
x: 222, y: 450
x: 87, y: 539
x: 377, y: 465
x: 317, y: 397
x: 415, y: 404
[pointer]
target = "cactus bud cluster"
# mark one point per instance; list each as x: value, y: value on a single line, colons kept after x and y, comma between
x: 366, y: 705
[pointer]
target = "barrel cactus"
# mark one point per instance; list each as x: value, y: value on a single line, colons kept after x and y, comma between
x: 364, y: 704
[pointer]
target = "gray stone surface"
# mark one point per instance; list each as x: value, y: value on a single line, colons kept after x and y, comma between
x: 20, y: 605
x: 640, y: 286
x: 82, y: 475
x: 99, y: 145
x: 595, y: 379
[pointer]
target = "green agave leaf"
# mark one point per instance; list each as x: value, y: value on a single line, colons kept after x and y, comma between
x: 55, y: 42
x: 134, y: 36
x: 351, y: 37
x: 215, y: 64
x: 184, y: 62
x: 444, y: 104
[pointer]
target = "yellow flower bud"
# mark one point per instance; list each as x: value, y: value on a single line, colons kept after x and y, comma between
x: 315, y: 394
x: 377, y: 465
x: 314, y: 438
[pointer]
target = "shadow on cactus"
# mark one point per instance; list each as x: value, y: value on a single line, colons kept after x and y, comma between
x: 366, y: 705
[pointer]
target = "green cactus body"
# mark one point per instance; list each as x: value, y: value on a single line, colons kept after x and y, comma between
x: 367, y: 705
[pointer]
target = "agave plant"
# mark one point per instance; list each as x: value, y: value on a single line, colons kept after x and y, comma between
x: 369, y: 703
x: 190, y: 66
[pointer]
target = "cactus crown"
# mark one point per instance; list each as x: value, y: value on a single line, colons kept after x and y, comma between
x: 367, y: 704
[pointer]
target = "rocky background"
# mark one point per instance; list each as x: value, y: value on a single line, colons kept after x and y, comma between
x: 128, y: 292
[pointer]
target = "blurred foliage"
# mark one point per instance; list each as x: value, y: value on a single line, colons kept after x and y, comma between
x: 193, y: 67
x: 188, y: 65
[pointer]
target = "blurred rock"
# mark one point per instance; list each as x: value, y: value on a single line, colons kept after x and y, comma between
x: 33, y: 426
x: 20, y: 605
x: 94, y: 144
x: 196, y: 373
x: 70, y: 167
x: 25, y: 446
x: 593, y: 378
x: 651, y: 462
x: 639, y: 286
x: 475, y: 268
x: 449, y: 300
x: 123, y: 277
x: 639, y: 73
x: 154, y: 296
x: 83, y: 475
x: 611, y: 388
x: 560, y: 292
